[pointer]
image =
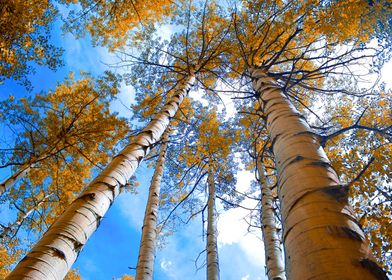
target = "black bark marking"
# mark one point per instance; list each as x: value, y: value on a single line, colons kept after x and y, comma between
x: 88, y: 196
x: 344, y: 232
x: 58, y: 253
x: 296, y: 159
x: 274, y: 141
x: 112, y: 188
x: 98, y: 218
x: 77, y: 246
x: 374, y: 268
x: 320, y: 163
x: 337, y: 192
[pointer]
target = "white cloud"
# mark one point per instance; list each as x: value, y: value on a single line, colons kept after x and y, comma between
x: 245, y: 277
x: 386, y: 72
x: 166, y: 265
x: 233, y: 229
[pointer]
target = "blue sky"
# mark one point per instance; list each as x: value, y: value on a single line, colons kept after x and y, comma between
x: 114, y: 246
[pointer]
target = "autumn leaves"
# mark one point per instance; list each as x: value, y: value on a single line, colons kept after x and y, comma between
x: 275, y: 58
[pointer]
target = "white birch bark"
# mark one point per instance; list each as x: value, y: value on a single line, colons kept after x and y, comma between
x: 272, y: 248
x: 145, y: 263
x: 322, y: 237
x: 22, y: 171
x: 54, y: 254
x: 9, y: 182
x: 212, y: 248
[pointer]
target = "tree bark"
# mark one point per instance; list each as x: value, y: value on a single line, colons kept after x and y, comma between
x: 322, y: 237
x: 13, y: 228
x: 145, y: 263
x: 212, y: 248
x: 58, y: 249
x: 14, y: 178
x: 272, y: 248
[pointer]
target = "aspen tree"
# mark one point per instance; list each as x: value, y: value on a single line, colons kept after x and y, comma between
x: 271, y: 239
x: 256, y: 142
x: 208, y: 151
x: 10, y: 181
x: 145, y: 264
x: 321, y: 234
x: 58, y: 249
x: 11, y: 228
x: 280, y: 47
x: 212, y: 230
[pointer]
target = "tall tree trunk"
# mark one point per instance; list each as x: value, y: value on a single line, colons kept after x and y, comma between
x: 272, y: 248
x: 145, y: 263
x: 322, y: 237
x: 212, y: 248
x: 58, y: 249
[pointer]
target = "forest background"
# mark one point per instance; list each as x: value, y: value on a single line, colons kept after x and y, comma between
x: 177, y: 259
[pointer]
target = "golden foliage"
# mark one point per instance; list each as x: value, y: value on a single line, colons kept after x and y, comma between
x: 25, y: 39
x: 109, y: 22
x: 72, y: 132
x: 350, y: 153
x: 73, y: 274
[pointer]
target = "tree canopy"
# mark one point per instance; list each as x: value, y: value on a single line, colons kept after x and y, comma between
x: 285, y: 89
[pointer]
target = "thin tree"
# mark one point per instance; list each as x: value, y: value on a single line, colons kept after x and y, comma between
x: 212, y: 230
x: 271, y: 238
x: 145, y: 263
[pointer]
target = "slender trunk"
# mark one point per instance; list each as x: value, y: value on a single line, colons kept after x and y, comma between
x: 212, y: 248
x: 58, y: 249
x: 272, y: 248
x: 14, y: 178
x: 13, y: 228
x: 22, y: 171
x: 322, y: 237
x: 145, y: 263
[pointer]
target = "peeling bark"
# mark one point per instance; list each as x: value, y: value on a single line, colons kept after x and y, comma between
x: 145, y: 263
x: 212, y: 247
x: 272, y: 248
x: 54, y: 254
x: 322, y: 237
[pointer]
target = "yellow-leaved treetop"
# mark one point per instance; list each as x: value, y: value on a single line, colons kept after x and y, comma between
x: 110, y: 22
x: 63, y: 135
x: 24, y: 34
